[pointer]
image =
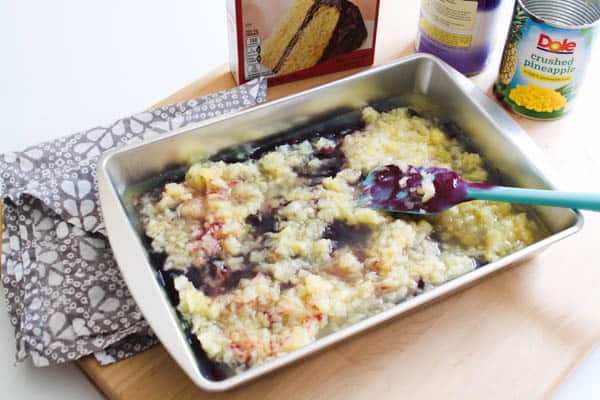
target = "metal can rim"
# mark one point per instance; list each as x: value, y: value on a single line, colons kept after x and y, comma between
x: 558, y: 24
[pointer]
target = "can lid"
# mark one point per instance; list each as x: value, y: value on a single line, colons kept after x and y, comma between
x: 564, y: 14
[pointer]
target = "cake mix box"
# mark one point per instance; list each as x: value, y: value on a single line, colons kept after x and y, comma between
x: 295, y: 39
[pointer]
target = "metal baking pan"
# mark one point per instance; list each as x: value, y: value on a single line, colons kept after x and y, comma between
x: 420, y: 80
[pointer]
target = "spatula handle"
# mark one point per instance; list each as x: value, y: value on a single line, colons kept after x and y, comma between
x: 586, y: 201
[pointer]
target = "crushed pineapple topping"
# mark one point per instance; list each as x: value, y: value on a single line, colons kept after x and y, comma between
x: 270, y: 254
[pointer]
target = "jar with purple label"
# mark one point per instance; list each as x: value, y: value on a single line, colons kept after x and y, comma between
x: 460, y: 32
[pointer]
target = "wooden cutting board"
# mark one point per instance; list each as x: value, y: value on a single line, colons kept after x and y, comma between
x: 516, y: 335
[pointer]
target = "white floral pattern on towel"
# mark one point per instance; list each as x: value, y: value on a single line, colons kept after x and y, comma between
x: 64, y: 292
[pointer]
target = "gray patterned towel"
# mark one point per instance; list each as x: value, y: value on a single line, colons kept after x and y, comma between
x: 64, y: 292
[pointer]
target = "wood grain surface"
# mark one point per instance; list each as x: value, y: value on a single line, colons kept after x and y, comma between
x: 515, y: 335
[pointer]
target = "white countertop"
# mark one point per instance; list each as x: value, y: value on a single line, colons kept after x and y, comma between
x: 67, y: 65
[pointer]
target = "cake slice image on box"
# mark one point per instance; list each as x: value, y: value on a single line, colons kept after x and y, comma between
x: 312, y: 31
x: 287, y: 40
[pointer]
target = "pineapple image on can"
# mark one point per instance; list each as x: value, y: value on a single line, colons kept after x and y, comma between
x: 508, y: 66
x: 546, y: 55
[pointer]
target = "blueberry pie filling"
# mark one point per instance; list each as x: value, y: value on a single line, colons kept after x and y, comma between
x: 269, y: 253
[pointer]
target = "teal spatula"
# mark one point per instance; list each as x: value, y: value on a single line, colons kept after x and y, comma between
x: 428, y: 190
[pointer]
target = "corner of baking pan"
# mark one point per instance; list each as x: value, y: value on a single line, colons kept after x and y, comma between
x: 128, y: 250
x: 516, y: 134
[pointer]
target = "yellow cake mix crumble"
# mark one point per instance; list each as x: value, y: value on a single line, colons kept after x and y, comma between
x: 272, y: 253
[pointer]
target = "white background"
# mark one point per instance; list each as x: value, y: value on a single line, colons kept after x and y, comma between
x: 66, y: 65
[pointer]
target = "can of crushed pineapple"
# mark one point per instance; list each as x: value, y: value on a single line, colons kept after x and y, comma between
x: 546, y: 55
